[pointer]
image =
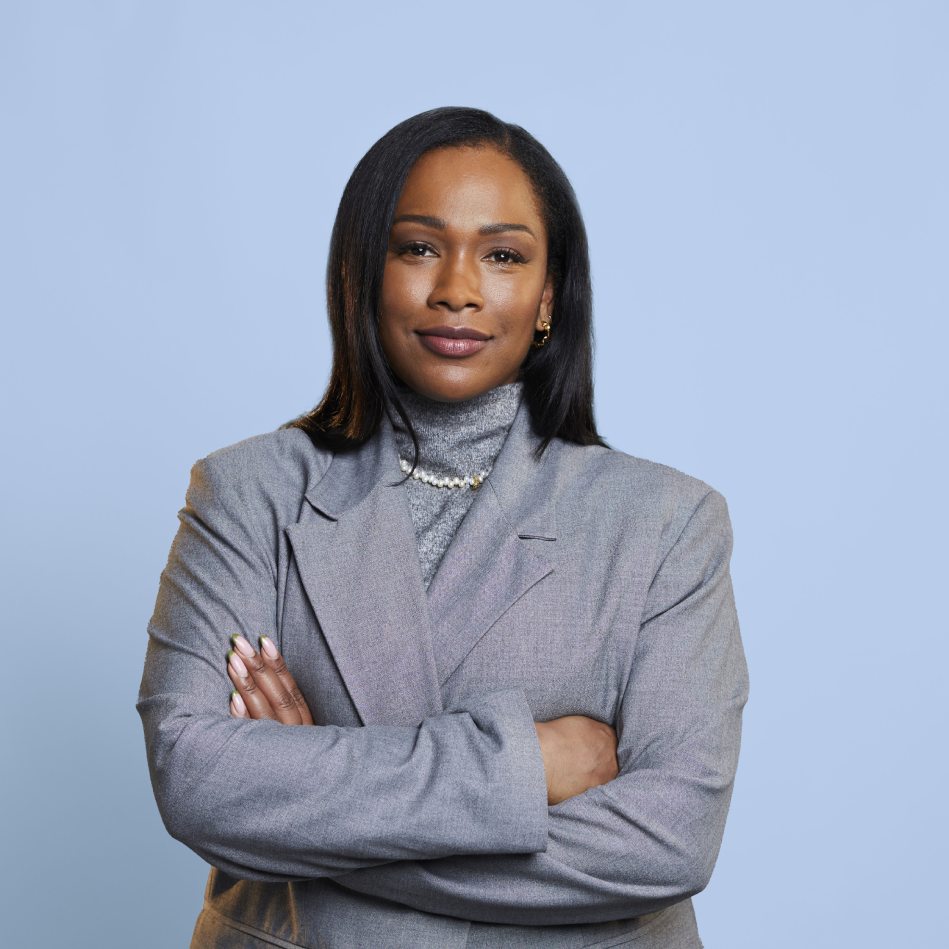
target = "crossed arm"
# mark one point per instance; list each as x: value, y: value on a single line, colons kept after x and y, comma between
x: 262, y: 801
x: 578, y: 752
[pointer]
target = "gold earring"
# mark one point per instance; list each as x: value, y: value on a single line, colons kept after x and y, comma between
x: 543, y: 340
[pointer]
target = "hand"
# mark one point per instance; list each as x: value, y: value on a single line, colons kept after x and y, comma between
x: 263, y: 684
x: 579, y: 754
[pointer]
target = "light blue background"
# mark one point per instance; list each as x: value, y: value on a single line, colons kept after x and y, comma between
x: 765, y: 187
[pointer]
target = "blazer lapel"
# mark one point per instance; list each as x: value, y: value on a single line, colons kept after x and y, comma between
x: 357, y: 555
x: 502, y: 548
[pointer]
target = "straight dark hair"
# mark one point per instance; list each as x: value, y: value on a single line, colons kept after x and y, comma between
x: 558, y: 377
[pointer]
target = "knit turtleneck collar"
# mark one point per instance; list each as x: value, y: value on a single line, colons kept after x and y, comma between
x: 457, y: 438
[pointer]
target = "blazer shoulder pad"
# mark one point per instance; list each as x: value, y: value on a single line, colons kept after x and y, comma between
x: 647, y: 491
x: 618, y: 473
x: 267, y: 472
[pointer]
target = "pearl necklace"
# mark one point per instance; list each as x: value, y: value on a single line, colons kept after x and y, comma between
x: 468, y: 481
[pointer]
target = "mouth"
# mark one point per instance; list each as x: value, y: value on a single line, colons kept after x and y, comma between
x: 453, y: 341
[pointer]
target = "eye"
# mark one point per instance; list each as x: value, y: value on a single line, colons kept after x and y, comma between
x: 505, y: 255
x: 415, y: 249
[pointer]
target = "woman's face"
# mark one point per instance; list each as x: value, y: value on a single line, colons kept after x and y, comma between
x: 465, y: 284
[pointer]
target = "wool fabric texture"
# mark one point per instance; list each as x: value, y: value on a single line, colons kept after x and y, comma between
x: 455, y: 439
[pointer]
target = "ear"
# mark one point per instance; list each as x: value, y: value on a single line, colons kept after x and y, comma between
x: 546, y: 303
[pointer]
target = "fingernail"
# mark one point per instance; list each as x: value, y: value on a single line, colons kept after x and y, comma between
x: 235, y: 663
x: 243, y: 646
x: 266, y: 644
x: 238, y: 703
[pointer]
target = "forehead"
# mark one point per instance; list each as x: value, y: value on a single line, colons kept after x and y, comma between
x: 469, y: 185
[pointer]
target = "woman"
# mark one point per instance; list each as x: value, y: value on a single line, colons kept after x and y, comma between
x: 514, y: 650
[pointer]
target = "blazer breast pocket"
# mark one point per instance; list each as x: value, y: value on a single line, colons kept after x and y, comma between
x: 569, y: 643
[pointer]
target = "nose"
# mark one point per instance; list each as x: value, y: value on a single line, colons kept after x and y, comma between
x: 457, y: 285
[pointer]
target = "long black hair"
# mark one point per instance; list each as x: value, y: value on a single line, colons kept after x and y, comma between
x: 558, y: 377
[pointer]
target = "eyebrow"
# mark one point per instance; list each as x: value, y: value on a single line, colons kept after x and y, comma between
x: 439, y: 224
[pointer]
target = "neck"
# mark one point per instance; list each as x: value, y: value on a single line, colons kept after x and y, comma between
x: 457, y: 438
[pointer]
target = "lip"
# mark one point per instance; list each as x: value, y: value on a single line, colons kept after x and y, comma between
x: 453, y: 341
x: 454, y: 332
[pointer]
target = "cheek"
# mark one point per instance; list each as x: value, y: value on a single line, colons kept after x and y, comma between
x: 404, y: 287
x: 516, y: 306
x: 391, y: 294
x: 390, y: 317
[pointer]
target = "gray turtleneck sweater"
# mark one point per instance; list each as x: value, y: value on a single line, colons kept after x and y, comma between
x: 455, y: 439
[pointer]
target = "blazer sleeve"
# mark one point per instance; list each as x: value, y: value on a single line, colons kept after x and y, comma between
x: 271, y: 802
x: 650, y: 837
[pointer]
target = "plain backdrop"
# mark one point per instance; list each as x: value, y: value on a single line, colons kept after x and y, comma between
x: 765, y: 188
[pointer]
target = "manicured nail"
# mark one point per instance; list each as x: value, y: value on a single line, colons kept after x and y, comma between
x: 235, y: 663
x: 266, y: 644
x: 237, y: 703
x: 243, y: 646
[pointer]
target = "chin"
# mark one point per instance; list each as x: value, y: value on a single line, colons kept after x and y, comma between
x: 453, y: 393
x: 443, y: 390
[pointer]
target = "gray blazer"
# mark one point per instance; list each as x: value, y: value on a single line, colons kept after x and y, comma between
x: 588, y: 582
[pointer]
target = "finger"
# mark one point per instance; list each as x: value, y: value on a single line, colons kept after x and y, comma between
x: 238, y: 708
x: 268, y: 682
x: 274, y: 660
x: 255, y: 700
